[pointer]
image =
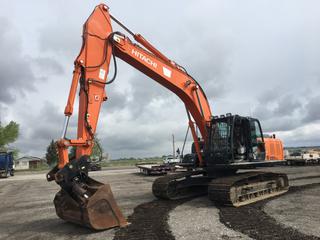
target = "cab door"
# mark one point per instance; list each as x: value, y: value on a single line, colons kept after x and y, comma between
x: 257, y: 141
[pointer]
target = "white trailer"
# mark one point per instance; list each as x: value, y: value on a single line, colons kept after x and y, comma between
x: 155, y: 169
x: 306, y: 158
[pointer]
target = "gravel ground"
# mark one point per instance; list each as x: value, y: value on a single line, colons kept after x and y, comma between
x: 300, y: 210
x: 27, y: 211
x: 254, y: 222
x: 199, y: 219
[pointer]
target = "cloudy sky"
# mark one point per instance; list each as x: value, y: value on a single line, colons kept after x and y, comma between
x: 258, y: 58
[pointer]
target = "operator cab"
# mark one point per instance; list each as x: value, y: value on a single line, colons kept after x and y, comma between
x: 233, y: 139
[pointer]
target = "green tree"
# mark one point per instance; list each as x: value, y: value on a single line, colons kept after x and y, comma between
x: 96, y: 153
x: 97, y: 150
x: 8, y: 134
x: 52, y: 155
x: 72, y: 152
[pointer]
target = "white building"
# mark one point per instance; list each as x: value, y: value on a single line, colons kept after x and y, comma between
x: 28, y: 162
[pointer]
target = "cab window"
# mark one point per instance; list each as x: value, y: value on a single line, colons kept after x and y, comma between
x: 256, y: 135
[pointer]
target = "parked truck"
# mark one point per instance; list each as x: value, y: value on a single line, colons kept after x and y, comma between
x: 171, y: 159
x: 303, y: 158
x: 6, y: 164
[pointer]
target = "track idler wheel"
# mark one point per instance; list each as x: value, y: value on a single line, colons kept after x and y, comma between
x: 84, y: 201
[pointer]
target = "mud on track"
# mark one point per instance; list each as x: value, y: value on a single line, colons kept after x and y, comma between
x: 149, y: 221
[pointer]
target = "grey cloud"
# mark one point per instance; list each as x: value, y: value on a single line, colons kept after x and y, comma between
x: 269, y: 95
x: 116, y: 100
x: 49, y: 123
x: 149, y: 139
x: 117, y: 92
x: 280, y: 124
x: 208, y: 61
x: 312, y: 112
x: 275, y: 106
x: 48, y: 66
x: 211, y: 78
x: 144, y: 91
x: 138, y: 100
x: 37, y: 130
x: 279, y: 112
x: 3, y: 111
x: 63, y: 40
x: 266, y: 55
x: 304, y: 136
x: 62, y: 32
x: 287, y: 105
x: 288, y: 112
x: 18, y: 71
x: 121, y: 139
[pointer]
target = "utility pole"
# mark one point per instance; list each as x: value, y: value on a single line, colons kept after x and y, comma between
x: 173, y: 147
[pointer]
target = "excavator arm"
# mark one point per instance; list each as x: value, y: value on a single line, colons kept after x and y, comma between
x: 81, y: 199
x: 91, y: 71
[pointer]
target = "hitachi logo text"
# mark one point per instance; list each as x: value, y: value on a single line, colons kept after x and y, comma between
x: 144, y: 58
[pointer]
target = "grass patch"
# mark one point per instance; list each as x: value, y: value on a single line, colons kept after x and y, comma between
x: 131, y: 161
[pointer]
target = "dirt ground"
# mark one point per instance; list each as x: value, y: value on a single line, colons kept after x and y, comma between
x: 27, y: 211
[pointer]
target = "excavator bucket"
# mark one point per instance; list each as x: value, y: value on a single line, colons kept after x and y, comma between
x: 85, y: 201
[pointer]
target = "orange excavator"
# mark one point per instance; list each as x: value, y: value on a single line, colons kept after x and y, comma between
x: 221, y: 144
